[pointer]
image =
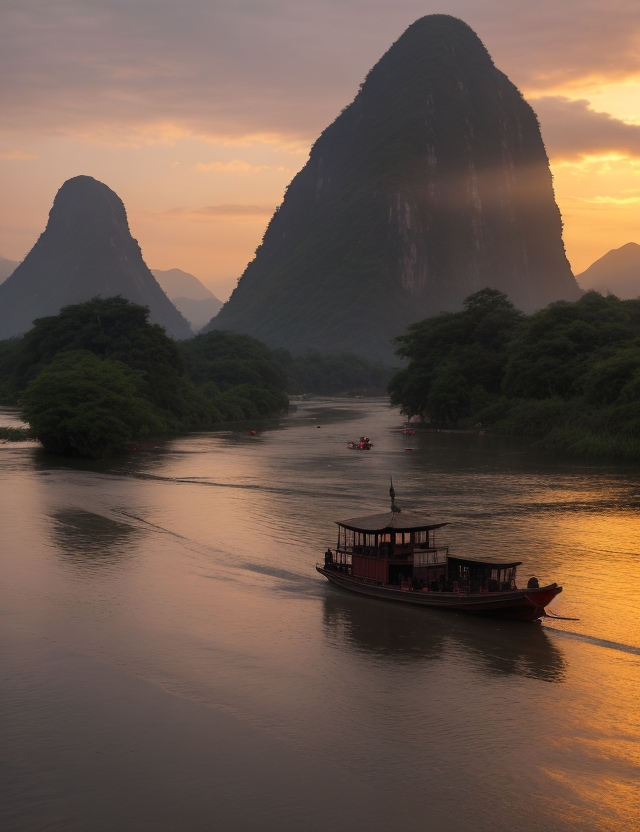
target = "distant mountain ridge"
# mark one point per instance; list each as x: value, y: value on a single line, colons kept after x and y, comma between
x: 176, y: 283
x: 188, y: 295
x: 432, y: 184
x: 618, y: 272
x: 85, y: 251
x: 7, y: 268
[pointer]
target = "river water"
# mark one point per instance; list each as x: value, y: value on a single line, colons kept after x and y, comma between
x: 170, y: 659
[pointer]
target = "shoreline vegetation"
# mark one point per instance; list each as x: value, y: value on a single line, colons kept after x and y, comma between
x: 98, y: 378
x: 566, y: 377
x: 8, y: 434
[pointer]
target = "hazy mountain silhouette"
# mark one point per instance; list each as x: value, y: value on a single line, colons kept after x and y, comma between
x: 178, y: 284
x: 189, y: 295
x: 617, y: 272
x: 85, y: 250
x: 432, y: 184
x: 7, y: 267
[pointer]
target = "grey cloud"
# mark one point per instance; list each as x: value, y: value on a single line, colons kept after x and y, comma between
x: 241, y: 67
x: 571, y: 129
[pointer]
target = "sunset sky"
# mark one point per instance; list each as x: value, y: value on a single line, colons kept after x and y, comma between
x: 198, y: 113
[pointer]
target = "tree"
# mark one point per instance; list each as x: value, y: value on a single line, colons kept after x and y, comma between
x: 79, y: 405
x: 239, y: 375
x: 99, y: 375
x: 557, y: 347
x: 118, y: 330
x: 452, y: 355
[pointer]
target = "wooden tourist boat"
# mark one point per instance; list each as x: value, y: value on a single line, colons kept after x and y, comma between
x: 395, y: 556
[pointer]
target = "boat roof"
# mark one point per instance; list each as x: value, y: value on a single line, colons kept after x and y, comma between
x: 401, y: 521
x: 498, y: 564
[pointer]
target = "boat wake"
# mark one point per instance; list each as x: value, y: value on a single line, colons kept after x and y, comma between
x: 597, y: 642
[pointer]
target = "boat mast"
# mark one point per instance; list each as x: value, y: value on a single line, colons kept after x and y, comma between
x: 395, y: 509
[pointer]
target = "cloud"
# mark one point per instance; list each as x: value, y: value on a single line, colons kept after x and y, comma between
x: 17, y: 155
x: 219, y: 68
x: 572, y: 130
x: 235, y: 166
x: 610, y: 200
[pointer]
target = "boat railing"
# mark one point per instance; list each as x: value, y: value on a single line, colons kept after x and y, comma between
x: 367, y: 551
x: 426, y: 557
x: 341, y: 557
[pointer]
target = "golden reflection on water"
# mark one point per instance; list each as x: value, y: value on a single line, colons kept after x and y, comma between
x: 192, y: 567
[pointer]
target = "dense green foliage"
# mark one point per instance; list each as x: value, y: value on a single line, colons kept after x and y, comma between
x: 567, y: 376
x: 118, y: 330
x: 333, y: 375
x: 15, y: 434
x: 457, y: 359
x: 9, y: 356
x: 237, y: 374
x: 79, y: 405
x: 99, y: 375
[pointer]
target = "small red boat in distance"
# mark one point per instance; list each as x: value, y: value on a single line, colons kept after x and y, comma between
x: 363, y: 444
x: 395, y: 556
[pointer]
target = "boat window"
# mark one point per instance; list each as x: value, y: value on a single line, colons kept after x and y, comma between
x: 348, y: 537
x: 371, y: 540
x: 494, y: 574
x: 385, y: 538
x: 398, y: 538
x: 421, y: 537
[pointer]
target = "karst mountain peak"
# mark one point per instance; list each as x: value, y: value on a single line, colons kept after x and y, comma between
x: 86, y: 250
x: 432, y: 184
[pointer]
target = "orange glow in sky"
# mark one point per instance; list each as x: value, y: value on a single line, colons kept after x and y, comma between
x: 200, y: 114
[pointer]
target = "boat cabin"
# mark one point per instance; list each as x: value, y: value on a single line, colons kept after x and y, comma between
x: 400, y: 549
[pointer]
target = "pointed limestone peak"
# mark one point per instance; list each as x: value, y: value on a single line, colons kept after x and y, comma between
x: 433, y: 184
x: 85, y: 251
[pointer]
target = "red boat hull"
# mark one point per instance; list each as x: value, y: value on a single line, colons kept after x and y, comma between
x: 519, y: 604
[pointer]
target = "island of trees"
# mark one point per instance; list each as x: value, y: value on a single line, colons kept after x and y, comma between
x: 567, y: 376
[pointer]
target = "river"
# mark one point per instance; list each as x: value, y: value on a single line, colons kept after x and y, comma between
x: 170, y: 659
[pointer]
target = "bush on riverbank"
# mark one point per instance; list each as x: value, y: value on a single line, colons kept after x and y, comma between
x: 567, y: 376
x: 15, y: 434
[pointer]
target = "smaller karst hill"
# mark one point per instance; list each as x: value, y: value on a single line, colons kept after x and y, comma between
x: 7, y: 267
x: 85, y: 251
x: 189, y: 295
x: 432, y: 184
x: 618, y: 272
